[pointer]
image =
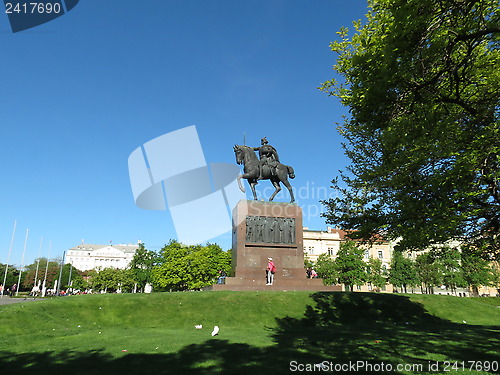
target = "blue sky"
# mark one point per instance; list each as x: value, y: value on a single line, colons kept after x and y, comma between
x: 82, y: 92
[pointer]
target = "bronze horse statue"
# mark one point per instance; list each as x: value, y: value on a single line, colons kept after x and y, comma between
x: 251, y: 172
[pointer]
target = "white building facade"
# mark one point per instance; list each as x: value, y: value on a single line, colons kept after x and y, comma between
x: 86, y: 257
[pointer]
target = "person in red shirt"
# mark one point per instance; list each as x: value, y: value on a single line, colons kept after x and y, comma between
x: 270, y: 271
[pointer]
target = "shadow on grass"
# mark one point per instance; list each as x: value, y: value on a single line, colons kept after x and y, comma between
x: 339, y: 330
x: 375, y: 328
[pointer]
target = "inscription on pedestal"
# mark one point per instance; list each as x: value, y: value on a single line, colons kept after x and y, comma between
x: 273, y: 230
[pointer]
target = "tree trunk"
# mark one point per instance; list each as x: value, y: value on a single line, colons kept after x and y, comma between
x: 475, y: 291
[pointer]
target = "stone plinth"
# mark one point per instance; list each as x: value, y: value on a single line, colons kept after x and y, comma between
x: 263, y: 230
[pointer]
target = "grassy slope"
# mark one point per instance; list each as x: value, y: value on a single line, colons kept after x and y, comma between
x: 261, y: 332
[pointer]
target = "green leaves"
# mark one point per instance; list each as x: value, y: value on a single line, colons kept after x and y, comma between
x: 326, y: 269
x: 402, y: 273
x: 111, y: 279
x: 421, y: 82
x: 142, y: 265
x: 193, y: 267
x: 349, y: 264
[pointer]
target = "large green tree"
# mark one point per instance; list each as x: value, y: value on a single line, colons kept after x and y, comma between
x: 421, y: 79
x: 43, y: 269
x: 476, y: 271
x: 351, y: 269
x: 326, y: 269
x: 402, y: 273
x: 205, y: 262
x: 10, y: 274
x: 429, y: 271
x: 142, y: 265
x: 111, y: 279
x: 449, y: 262
x: 182, y: 267
x: 376, y: 274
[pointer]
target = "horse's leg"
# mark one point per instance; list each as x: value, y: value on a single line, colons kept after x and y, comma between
x: 282, y: 175
x: 250, y: 176
x: 240, y: 185
x: 276, y: 184
x: 252, y: 186
x: 289, y: 187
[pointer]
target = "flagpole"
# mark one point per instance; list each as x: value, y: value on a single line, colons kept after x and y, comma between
x: 60, y: 275
x: 22, y: 263
x: 8, y: 258
x: 44, y: 286
x: 38, y: 262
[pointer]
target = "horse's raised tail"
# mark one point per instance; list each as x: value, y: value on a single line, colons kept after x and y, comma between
x: 291, y: 172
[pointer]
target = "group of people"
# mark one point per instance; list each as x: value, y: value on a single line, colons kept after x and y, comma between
x: 270, y: 271
x: 9, y: 291
x: 311, y: 273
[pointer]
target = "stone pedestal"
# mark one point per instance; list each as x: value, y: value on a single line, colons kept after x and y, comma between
x: 263, y: 230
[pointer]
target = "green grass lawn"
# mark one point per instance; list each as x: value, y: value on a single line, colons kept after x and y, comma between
x: 260, y: 333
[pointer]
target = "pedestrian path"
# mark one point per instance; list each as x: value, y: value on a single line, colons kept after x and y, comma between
x: 6, y: 300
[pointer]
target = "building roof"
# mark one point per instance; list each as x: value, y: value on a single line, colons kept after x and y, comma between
x: 334, y: 231
x: 343, y: 234
x: 91, y: 247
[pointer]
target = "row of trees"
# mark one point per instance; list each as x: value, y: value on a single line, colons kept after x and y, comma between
x: 445, y: 265
x: 349, y: 269
x: 176, y: 267
x: 40, y: 271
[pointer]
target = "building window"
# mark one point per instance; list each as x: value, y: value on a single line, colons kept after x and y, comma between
x: 358, y: 287
x: 380, y: 254
x: 330, y: 251
x: 367, y: 254
x: 311, y: 250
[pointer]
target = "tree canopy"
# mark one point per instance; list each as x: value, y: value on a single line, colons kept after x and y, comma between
x: 113, y: 279
x: 326, y: 269
x: 402, y: 273
x: 351, y: 269
x: 420, y: 79
x: 142, y: 265
x: 376, y: 274
x: 182, y: 267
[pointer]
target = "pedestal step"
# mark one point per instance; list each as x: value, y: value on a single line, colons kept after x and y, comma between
x: 238, y: 284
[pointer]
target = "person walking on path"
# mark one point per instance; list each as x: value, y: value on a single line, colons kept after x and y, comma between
x: 13, y: 290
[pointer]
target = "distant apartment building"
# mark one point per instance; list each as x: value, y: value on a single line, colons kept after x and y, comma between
x: 317, y: 242
x: 86, y: 257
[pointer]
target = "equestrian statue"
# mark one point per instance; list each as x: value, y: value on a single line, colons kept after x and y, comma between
x: 266, y: 167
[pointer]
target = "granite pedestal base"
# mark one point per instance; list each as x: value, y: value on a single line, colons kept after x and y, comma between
x: 263, y: 230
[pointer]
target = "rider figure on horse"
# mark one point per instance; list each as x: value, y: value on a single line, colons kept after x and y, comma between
x: 268, y: 156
